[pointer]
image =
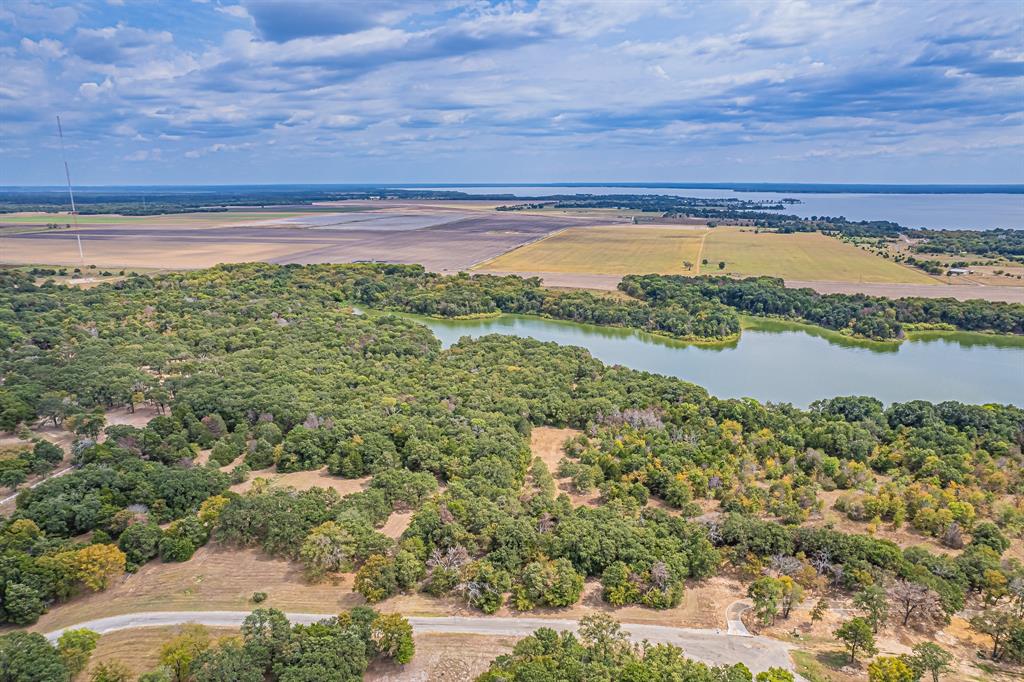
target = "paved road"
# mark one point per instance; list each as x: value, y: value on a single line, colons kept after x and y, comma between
x: 734, y: 617
x: 710, y: 646
x: 36, y: 484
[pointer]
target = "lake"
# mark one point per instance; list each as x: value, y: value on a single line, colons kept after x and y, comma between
x: 937, y: 211
x: 785, y: 362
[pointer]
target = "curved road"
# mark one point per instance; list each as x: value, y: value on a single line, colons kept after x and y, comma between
x: 709, y: 646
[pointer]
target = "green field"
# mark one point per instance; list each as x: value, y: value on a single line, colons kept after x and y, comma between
x: 808, y: 256
x: 618, y: 250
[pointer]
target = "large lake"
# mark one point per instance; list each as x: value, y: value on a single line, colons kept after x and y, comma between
x: 782, y: 362
x: 937, y: 211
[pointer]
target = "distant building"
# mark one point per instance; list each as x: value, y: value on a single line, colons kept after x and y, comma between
x: 958, y: 271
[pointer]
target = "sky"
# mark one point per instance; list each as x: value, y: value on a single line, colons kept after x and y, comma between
x: 308, y: 91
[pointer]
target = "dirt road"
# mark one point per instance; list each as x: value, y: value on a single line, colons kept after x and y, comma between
x: 710, y: 646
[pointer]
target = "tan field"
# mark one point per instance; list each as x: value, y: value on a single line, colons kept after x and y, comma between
x: 139, y: 252
x: 801, y: 256
x: 611, y: 250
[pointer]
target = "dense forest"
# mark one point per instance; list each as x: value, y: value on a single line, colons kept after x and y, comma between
x: 270, y: 364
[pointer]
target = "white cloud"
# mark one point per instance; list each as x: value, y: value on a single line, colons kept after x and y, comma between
x: 94, y: 90
x: 44, y: 47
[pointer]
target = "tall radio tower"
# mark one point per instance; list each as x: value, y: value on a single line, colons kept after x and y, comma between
x: 71, y: 194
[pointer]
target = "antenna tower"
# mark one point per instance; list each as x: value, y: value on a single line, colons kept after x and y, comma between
x: 71, y: 194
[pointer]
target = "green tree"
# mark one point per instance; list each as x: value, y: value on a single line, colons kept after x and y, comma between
x: 819, y: 610
x: 140, y: 543
x: 327, y: 549
x: 791, y: 594
x: 87, y: 424
x: 229, y: 662
x: 608, y: 642
x: 998, y: 625
x: 391, y: 635
x: 377, y: 579
x: 775, y: 675
x: 931, y: 658
x: 22, y: 604
x: 180, y: 651
x: 28, y: 657
x: 765, y: 592
x: 75, y: 647
x: 857, y: 635
x: 875, y: 602
x: 266, y: 633
x: 890, y: 669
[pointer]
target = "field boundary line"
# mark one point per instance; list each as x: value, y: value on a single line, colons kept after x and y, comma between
x: 536, y: 240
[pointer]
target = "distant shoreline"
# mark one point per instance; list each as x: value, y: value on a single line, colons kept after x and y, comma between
x: 774, y: 187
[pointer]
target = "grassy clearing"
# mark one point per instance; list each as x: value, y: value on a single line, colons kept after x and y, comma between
x: 801, y: 256
x: 618, y: 250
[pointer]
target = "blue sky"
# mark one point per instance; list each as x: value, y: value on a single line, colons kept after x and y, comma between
x: 246, y: 91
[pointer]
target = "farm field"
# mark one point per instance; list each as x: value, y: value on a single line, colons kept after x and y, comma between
x: 617, y: 250
x: 808, y: 256
x: 441, y: 238
x: 199, y: 218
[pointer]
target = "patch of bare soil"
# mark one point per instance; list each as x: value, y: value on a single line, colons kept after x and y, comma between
x: 546, y: 442
x: 139, y: 418
x: 303, y: 480
x: 444, y: 658
x: 396, y: 524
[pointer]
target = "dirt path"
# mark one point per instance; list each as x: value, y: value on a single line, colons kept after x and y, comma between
x: 709, y: 646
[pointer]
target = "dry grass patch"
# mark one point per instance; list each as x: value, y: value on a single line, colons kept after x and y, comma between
x: 215, y: 579
x: 139, y: 649
x: 616, y: 250
x: 444, y: 658
x: 801, y: 256
x: 439, y: 657
x: 546, y: 442
x: 303, y: 480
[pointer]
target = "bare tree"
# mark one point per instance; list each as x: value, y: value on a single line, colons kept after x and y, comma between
x: 785, y: 565
x: 915, y: 601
